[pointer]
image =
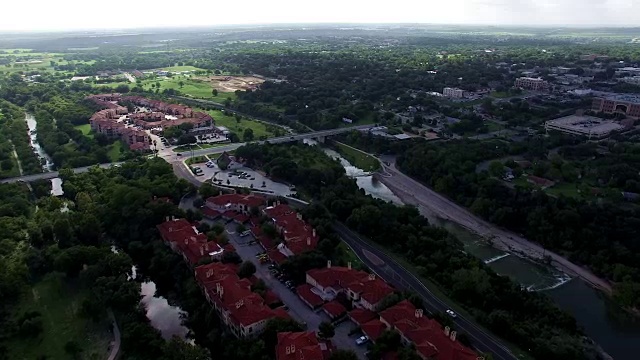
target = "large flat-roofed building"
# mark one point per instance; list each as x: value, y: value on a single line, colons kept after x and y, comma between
x: 589, y: 126
x: 627, y: 104
x: 532, y: 83
x: 453, y: 92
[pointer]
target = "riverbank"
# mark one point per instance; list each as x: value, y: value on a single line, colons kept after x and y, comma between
x: 432, y: 204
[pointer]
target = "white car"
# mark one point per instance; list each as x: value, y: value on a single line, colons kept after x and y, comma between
x: 362, y: 339
x: 451, y: 313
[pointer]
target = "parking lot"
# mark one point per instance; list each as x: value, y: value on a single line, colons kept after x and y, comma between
x: 242, y: 177
x: 247, y: 248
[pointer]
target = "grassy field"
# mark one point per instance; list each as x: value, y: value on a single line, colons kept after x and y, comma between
x: 347, y: 255
x: 86, y: 130
x: 59, y: 303
x: 566, y: 189
x: 223, y: 119
x: 358, y: 158
x: 115, y: 150
x: 190, y: 87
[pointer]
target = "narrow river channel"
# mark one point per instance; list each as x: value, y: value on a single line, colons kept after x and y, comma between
x: 32, y: 124
x: 617, y: 332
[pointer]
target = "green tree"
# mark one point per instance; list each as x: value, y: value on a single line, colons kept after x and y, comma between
x: 248, y: 134
x: 214, y: 92
x: 326, y: 330
x: 246, y: 269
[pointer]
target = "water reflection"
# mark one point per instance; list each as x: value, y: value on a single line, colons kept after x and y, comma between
x: 33, y: 125
x: 56, y: 187
x: 164, y: 317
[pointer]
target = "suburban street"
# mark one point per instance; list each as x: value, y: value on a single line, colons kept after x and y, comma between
x: 392, y: 272
x: 431, y: 204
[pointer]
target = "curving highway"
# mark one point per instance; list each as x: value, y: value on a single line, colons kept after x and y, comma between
x: 394, y: 273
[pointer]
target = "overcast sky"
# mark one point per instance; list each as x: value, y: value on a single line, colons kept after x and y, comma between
x: 24, y: 15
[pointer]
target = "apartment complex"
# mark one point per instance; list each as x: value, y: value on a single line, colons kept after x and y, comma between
x: 235, y: 207
x: 186, y: 240
x: 529, y: 83
x: 242, y: 310
x: 431, y: 341
x: 627, y: 104
x: 453, y: 92
x: 302, y: 346
x: 115, y: 120
x: 298, y: 236
x: 363, y: 290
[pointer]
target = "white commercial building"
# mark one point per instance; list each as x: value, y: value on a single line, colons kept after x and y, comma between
x: 453, y: 92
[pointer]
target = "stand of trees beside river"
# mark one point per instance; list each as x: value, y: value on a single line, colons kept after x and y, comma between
x: 529, y: 320
x: 14, y: 131
x: 600, y: 232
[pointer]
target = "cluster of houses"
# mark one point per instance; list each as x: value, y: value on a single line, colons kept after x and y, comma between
x: 332, y: 289
x: 115, y: 120
x: 243, y: 311
x: 366, y: 294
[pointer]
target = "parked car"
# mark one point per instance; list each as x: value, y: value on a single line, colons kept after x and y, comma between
x: 362, y: 340
x: 451, y: 313
x: 245, y: 233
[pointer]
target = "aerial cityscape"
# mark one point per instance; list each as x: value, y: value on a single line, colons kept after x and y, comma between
x: 319, y: 189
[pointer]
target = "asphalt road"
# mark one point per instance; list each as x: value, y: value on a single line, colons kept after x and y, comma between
x: 398, y: 276
x: 53, y: 174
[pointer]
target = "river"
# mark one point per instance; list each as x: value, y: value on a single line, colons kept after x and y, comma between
x: 56, y: 183
x: 163, y: 316
x: 612, y: 328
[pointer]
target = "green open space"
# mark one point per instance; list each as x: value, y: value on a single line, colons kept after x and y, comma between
x: 344, y: 255
x: 197, y: 159
x: 222, y: 118
x: 186, y: 85
x: 59, y: 302
x: 566, y: 189
x: 115, y: 150
x: 85, y: 129
x: 197, y: 147
x: 358, y: 158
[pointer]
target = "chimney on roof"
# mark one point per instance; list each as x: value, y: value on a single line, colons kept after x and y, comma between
x: 308, y: 241
x: 447, y: 330
x: 173, y: 218
x: 349, y: 265
x: 299, y: 216
x: 170, y: 229
x: 218, y: 286
x: 219, y: 194
x: 293, y: 349
x: 209, y: 273
x: 193, y: 238
x: 452, y: 336
x: 239, y: 303
x: 372, y: 276
x: 328, y: 264
x: 419, y: 313
x: 288, y: 350
x: 166, y: 219
x: 314, y: 232
x: 201, y: 250
x: 277, y: 202
x: 186, y: 241
x: 206, y: 246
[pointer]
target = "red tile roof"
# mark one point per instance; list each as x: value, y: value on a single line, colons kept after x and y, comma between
x: 276, y: 256
x: 241, y: 218
x: 248, y: 200
x: 336, y: 277
x: 334, y: 309
x: 187, y: 240
x: 361, y: 316
x: 300, y: 346
x: 233, y: 294
x: 427, y: 335
x: 210, y: 213
x: 271, y: 298
x: 373, y: 329
x: 305, y: 293
x: 372, y: 289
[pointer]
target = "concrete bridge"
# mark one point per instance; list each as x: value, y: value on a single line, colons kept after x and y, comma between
x: 315, y: 135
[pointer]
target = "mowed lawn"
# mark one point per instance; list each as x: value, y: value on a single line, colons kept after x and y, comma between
x: 85, y: 129
x: 191, y: 87
x: 114, y: 150
x: 59, y: 304
x: 357, y: 158
x: 259, y: 129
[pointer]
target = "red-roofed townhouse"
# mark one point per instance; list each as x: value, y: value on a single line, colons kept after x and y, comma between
x: 373, y: 329
x: 310, y: 298
x: 431, y: 341
x: 301, y: 346
x: 235, y: 202
x: 297, y: 234
x: 186, y: 240
x: 242, y: 310
x: 360, y: 316
x: 334, y: 310
x: 368, y: 292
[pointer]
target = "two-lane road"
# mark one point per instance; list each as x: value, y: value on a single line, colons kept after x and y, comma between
x: 392, y: 272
